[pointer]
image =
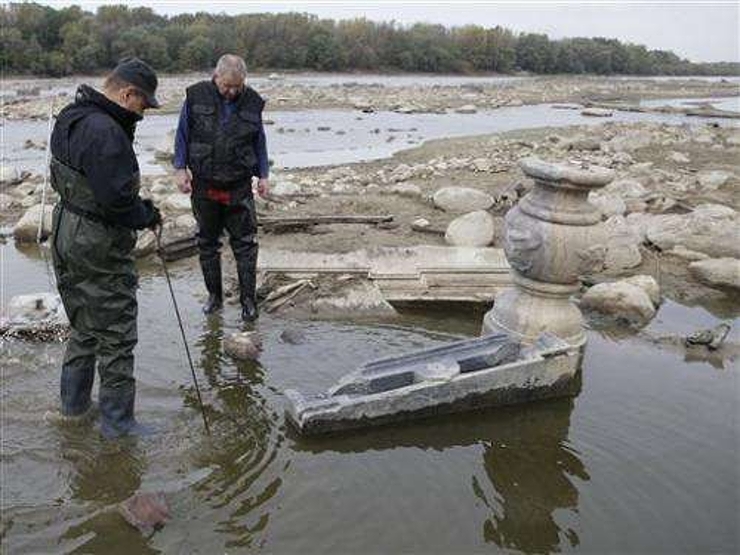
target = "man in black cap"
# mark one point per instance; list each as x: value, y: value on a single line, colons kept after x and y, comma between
x: 219, y: 147
x: 95, y: 172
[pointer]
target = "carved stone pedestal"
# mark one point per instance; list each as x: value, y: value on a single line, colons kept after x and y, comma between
x: 551, y: 238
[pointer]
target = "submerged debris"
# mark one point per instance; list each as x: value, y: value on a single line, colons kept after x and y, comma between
x: 712, y: 338
x: 146, y: 511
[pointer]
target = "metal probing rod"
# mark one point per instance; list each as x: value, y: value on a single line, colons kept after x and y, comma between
x: 158, y: 235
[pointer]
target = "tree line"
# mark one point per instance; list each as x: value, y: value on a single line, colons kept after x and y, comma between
x: 42, y: 40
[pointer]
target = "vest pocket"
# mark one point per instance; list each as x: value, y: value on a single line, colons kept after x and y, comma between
x: 201, y: 158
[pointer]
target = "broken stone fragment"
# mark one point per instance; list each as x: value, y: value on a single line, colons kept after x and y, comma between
x: 245, y: 345
x: 712, y: 338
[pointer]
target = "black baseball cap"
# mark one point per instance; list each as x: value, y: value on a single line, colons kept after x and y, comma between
x: 140, y: 75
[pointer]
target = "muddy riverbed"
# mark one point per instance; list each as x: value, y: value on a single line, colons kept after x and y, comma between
x: 644, y: 459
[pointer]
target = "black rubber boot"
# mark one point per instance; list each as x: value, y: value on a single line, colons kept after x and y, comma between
x: 212, y: 276
x: 246, y: 269
x: 75, y: 387
x: 117, y: 412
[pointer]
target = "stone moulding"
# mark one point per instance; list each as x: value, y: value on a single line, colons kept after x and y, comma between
x: 439, y: 381
x: 420, y: 273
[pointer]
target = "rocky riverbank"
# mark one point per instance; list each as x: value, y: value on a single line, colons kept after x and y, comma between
x: 31, y: 98
x: 671, y: 212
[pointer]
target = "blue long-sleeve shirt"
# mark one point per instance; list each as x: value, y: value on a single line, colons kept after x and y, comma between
x: 228, y: 109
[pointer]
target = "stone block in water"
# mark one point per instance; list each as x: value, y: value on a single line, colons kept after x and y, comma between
x: 459, y: 376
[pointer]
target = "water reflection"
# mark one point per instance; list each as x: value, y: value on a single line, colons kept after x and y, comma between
x: 104, y: 473
x: 244, y: 444
x: 528, y: 467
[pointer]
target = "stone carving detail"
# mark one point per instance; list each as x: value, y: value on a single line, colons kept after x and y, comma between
x: 551, y: 238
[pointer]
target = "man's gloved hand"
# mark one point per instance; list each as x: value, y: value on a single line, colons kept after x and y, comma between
x: 156, y: 218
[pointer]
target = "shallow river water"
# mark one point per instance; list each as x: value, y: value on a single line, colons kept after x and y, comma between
x: 646, y: 458
x: 321, y: 137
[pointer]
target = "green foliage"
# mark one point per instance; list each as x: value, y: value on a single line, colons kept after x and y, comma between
x: 39, y: 39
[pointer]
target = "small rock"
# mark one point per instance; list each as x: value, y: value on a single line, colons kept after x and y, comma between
x: 626, y: 188
x: 467, y: 109
x: 282, y: 188
x: 146, y: 243
x: 245, y: 345
x: 409, y: 190
x: 718, y: 273
x: 712, y: 180
x: 475, y: 229
x: 679, y: 158
x: 597, y: 112
x: 420, y: 223
x: 481, y: 164
x: 293, y: 336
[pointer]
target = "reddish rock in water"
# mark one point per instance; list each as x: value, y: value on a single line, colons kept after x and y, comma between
x: 145, y: 511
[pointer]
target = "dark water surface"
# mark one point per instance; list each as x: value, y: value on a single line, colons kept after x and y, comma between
x: 644, y: 459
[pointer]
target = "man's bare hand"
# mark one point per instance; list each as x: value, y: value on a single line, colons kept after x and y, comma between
x: 183, y: 178
x: 263, y: 187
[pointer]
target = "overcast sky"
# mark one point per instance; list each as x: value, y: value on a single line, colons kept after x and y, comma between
x: 699, y: 31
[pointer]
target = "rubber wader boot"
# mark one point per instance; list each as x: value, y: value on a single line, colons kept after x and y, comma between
x: 246, y: 270
x: 75, y: 387
x: 212, y: 277
x: 117, y: 412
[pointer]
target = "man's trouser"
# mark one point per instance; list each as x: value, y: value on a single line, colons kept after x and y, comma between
x: 240, y: 221
x: 97, y: 280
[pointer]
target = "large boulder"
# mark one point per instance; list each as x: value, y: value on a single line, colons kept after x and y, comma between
x: 621, y: 300
x: 26, y: 229
x: 475, y: 229
x: 462, y: 199
x: 718, y: 273
x: 712, y: 229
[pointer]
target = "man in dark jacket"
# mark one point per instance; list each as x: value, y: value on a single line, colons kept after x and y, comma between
x: 95, y: 172
x: 219, y: 147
